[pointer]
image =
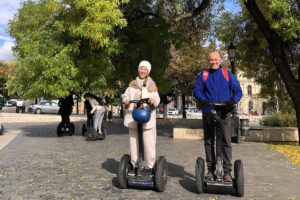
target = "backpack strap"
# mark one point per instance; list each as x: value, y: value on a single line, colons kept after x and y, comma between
x: 225, y: 74
x: 205, y: 75
x: 224, y: 71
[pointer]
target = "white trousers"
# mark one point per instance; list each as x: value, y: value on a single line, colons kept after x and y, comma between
x: 149, y: 139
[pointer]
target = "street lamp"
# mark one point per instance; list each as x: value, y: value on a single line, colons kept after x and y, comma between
x: 232, y: 54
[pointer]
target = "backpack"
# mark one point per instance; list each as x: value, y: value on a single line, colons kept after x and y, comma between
x: 224, y: 72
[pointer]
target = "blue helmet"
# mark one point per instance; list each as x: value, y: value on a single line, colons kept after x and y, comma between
x: 141, y: 115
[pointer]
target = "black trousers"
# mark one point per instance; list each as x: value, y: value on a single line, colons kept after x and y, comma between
x: 209, y: 142
x: 90, y: 120
x: 65, y: 119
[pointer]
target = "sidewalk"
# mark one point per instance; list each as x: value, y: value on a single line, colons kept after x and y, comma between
x: 39, y: 165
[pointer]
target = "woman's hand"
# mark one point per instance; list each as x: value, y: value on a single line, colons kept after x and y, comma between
x: 151, y: 100
x: 126, y: 101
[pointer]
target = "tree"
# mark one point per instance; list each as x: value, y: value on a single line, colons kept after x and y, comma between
x: 63, y: 45
x: 282, y: 33
x: 267, y: 35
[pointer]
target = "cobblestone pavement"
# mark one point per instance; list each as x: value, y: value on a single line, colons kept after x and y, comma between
x: 39, y: 165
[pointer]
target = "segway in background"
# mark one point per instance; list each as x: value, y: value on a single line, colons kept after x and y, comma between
x: 238, y: 180
x: 2, y: 103
x: 87, y: 129
x: 158, y: 180
x: 65, y: 129
x: 65, y: 110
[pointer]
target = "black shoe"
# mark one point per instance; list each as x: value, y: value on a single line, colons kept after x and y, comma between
x: 132, y: 172
x: 145, y: 172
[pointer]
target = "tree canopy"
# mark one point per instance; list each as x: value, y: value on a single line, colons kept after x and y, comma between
x: 63, y: 45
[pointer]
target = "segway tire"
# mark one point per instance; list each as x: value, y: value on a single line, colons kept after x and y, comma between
x: 199, y: 172
x: 71, y: 129
x: 239, y: 178
x: 91, y: 134
x: 161, y: 170
x: 124, y: 166
x: 59, y: 129
x: 1, y: 129
x: 83, y: 129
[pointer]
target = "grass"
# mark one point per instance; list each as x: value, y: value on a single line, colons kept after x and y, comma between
x: 290, y: 149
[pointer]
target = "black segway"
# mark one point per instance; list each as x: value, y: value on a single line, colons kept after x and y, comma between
x: 91, y: 134
x: 158, y: 180
x: 65, y: 129
x: 238, y: 180
x: 1, y: 129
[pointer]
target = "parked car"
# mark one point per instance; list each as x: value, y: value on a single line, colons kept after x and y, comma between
x: 44, y: 107
x: 173, y: 111
x: 194, y: 112
x: 11, y: 102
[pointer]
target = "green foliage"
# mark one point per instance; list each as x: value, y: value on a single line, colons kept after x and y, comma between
x: 280, y: 119
x: 254, y: 58
x: 286, y: 19
x: 63, y: 45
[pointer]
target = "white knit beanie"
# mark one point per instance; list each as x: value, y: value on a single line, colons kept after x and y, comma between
x: 146, y: 64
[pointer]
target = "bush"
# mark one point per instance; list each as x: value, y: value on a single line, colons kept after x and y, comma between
x: 279, y: 119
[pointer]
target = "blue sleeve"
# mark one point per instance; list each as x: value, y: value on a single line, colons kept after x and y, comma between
x: 235, y: 88
x: 199, y: 88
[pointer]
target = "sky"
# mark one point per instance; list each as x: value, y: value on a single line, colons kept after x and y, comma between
x: 8, y: 8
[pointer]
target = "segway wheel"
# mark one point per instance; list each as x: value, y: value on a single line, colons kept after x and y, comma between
x: 59, y: 130
x: 161, y: 170
x: 71, y: 129
x: 83, y: 129
x: 239, y: 178
x: 91, y: 134
x: 124, y: 167
x: 199, y: 171
x: 1, y: 129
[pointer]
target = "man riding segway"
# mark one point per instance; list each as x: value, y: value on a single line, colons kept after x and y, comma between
x: 213, y: 86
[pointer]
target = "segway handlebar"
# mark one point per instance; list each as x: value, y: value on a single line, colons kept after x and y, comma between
x: 141, y: 101
x: 217, y: 104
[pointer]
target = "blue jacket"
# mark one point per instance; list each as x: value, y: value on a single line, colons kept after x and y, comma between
x: 216, y: 88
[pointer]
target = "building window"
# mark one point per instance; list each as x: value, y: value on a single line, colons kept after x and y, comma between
x: 249, y: 90
x: 250, y: 105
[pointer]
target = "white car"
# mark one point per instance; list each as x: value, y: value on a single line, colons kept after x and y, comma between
x: 194, y: 112
x: 173, y: 111
x: 11, y: 102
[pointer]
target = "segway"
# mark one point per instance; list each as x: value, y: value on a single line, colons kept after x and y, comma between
x: 238, y: 181
x: 64, y: 129
x: 91, y: 134
x: 1, y: 129
x: 158, y: 180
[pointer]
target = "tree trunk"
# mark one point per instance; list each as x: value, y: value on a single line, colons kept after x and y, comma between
x: 297, y: 107
x: 183, y: 106
x: 278, y: 48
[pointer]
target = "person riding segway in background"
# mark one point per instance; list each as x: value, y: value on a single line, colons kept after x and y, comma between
x: 213, y: 86
x: 88, y: 107
x: 140, y: 88
x: 98, y: 110
x: 65, y: 110
x: 2, y: 103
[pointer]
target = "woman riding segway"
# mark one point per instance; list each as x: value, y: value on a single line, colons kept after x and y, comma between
x: 131, y: 168
x: 98, y: 110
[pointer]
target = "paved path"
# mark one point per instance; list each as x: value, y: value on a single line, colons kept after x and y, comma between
x: 39, y: 165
